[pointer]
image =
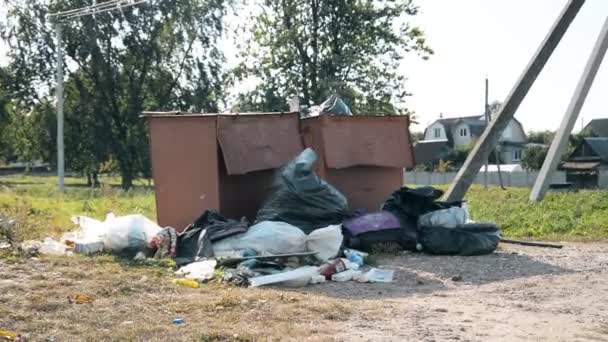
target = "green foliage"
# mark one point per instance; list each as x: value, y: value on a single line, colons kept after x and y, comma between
x: 533, y: 157
x: 154, y: 56
x: 575, y: 216
x: 315, y: 48
x: 542, y: 137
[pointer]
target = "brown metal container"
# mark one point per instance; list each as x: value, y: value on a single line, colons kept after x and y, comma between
x: 217, y: 161
x: 362, y: 156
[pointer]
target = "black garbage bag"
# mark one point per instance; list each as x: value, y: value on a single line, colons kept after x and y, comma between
x: 467, y: 239
x: 299, y: 197
x: 416, y: 202
x: 196, y: 240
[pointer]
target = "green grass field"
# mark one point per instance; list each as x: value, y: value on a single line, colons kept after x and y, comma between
x: 40, y: 211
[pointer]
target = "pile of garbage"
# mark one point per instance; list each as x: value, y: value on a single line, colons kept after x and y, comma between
x: 303, y: 234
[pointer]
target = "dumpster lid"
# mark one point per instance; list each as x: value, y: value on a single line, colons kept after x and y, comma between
x: 366, y: 141
x: 258, y: 142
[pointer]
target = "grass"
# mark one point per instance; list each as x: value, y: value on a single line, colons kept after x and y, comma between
x: 582, y: 215
x: 41, y: 211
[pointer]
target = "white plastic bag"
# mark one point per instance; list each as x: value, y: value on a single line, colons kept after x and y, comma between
x: 128, y: 232
x: 447, y: 218
x: 116, y: 233
x: 325, y: 242
x: 266, y: 238
x: 200, y: 270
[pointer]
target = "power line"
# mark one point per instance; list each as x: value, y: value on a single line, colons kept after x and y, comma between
x: 90, y: 7
x: 96, y: 9
x: 85, y: 13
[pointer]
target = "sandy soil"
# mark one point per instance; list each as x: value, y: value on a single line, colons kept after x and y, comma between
x: 516, y: 294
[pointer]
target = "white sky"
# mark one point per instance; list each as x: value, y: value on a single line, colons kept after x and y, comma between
x: 475, y: 38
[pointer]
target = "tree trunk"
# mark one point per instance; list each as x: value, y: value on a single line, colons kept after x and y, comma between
x: 89, y: 181
x: 126, y: 175
x: 96, y: 179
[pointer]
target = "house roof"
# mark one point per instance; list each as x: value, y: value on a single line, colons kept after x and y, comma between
x: 599, y: 127
x: 599, y: 146
x: 449, y: 123
x: 430, y: 151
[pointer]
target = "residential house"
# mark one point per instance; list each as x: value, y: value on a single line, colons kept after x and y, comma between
x: 461, y: 132
x: 586, y: 161
x: 598, y: 128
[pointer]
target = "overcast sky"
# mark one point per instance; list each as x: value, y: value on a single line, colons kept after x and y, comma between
x: 472, y: 38
x: 475, y: 38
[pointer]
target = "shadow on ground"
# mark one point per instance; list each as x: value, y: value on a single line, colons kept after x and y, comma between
x: 425, y: 274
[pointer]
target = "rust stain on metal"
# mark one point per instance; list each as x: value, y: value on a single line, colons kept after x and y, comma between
x: 261, y: 142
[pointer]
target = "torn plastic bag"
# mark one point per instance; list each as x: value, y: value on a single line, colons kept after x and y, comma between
x: 266, y: 238
x: 299, y: 197
x: 383, y: 226
x: 333, y: 105
x: 196, y: 240
x: 468, y: 239
x: 447, y: 218
x: 326, y: 242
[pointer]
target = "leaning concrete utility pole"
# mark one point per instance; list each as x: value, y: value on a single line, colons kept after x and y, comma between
x: 491, y: 134
x: 569, y: 120
x: 59, y: 95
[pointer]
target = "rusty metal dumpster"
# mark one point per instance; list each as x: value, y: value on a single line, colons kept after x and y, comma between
x: 362, y: 156
x: 217, y: 161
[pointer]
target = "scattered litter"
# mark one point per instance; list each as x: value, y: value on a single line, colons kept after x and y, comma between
x: 30, y: 246
x: 200, y: 270
x: 332, y: 268
x: 81, y: 298
x: 8, y: 335
x: 52, y: 247
x: 375, y: 275
x: 186, y: 282
x: 302, y: 273
x: 317, y: 279
x: 179, y: 320
x: 345, y: 276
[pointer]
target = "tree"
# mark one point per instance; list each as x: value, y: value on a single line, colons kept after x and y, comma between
x: 158, y: 55
x: 533, y: 157
x: 542, y: 137
x: 315, y: 48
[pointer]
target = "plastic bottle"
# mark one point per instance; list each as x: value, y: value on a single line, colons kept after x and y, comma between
x: 332, y: 268
x: 345, y: 276
x: 355, y: 258
x: 186, y: 282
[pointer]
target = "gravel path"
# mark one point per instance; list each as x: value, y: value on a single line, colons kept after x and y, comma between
x: 517, y: 294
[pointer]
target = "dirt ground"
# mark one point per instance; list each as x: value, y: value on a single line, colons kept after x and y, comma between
x: 518, y: 293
